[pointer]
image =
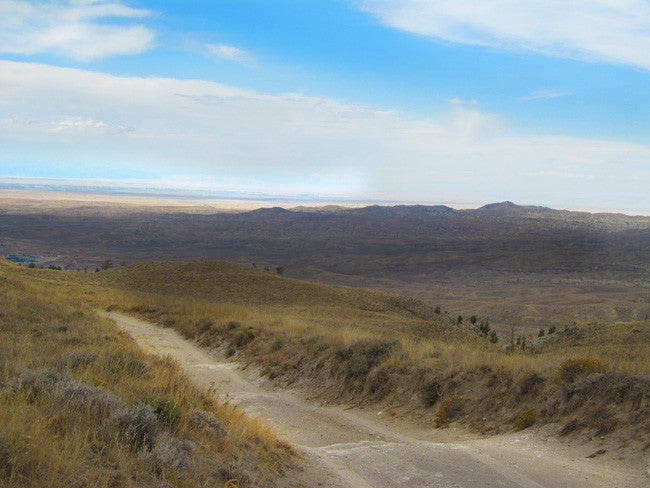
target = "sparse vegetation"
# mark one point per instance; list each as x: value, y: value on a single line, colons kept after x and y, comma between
x: 80, y: 405
x: 450, y: 409
x: 431, y: 392
x: 525, y: 419
x: 363, y: 356
x: 571, y: 369
x: 363, y: 345
x: 165, y: 410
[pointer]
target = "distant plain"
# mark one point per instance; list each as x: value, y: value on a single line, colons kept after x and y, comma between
x: 521, y: 267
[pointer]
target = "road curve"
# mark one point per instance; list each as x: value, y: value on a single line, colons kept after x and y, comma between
x: 345, y: 448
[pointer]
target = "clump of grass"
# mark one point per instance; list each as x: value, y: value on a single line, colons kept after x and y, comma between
x: 35, y: 383
x: 430, y: 391
x: 126, y: 363
x: 207, y: 422
x: 530, y: 383
x: 172, y: 454
x: 75, y: 359
x: 79, y: 395
x: 137, y: 426
x: 525, y: 419
x: 186, y: 332
x: 243, y: 337
x: 570, y: 426
x: 571, y: 369
x: 363, y: 356
x: 450, y: 409
x: 165, y: 410
x: 205, y: 326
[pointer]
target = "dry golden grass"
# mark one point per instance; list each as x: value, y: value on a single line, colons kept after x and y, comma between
x: 333, y: 339
x: 69, y: 381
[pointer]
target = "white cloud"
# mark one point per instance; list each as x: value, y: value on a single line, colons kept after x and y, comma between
x: 231, y: 53
x: 543, y: 95
x: 458, y: 101
x: 80, y: 29
x: 224, y: 133
x: 612, y: 31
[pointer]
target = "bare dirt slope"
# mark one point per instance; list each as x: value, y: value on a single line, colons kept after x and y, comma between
x: 360, y: 449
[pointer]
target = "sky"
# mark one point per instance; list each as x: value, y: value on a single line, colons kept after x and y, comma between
x: 542, y: 102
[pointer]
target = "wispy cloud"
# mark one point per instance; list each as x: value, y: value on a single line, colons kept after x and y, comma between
x: 543, y: 94
x: 78, y: 29
x: 231, y: 53
x: 612, y: 31
x: 217, y: 131
x: 458, y: 101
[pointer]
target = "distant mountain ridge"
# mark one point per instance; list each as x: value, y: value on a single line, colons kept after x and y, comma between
x: 497, y: 209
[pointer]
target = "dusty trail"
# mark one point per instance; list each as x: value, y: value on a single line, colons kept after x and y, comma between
x: 354, y: 449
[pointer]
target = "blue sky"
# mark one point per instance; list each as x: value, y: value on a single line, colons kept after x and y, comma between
x: 544, y: 102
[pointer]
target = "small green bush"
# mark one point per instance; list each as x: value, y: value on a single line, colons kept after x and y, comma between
x: 430, y: 392
x: 243, y: 337
x: 363, y: 356
x: 165, y: 410
x: 206, y: 326
x: 571, y: 369
x: 187, y: 333
x: 525, y: 419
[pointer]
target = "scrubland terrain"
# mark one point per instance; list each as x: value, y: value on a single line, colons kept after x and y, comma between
x: 527, y: 267
x: 499, y: 320
x: 370, y: 348
x: 81, y: 405
x: 366, y: 347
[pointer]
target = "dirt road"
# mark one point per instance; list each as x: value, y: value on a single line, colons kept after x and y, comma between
x: 346, y: 448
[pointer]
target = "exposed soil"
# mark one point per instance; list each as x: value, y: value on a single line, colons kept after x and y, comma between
x: 354, y: 448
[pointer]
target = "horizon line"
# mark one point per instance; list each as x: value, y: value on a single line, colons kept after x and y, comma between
x: 155, y: 188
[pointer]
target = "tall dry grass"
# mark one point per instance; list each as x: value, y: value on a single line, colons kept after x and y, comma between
x: 380, y: 348
x: 81, y: 405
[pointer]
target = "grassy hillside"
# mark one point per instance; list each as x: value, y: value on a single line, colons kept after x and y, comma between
x: 234, y: 283
x: 372, y: 348
x: 80, y: 405
x: 368, y: 347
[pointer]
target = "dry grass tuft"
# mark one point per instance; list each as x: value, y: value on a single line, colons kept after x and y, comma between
x: 450, y: 409
x: 525, y: 419
x: 571, y: 369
